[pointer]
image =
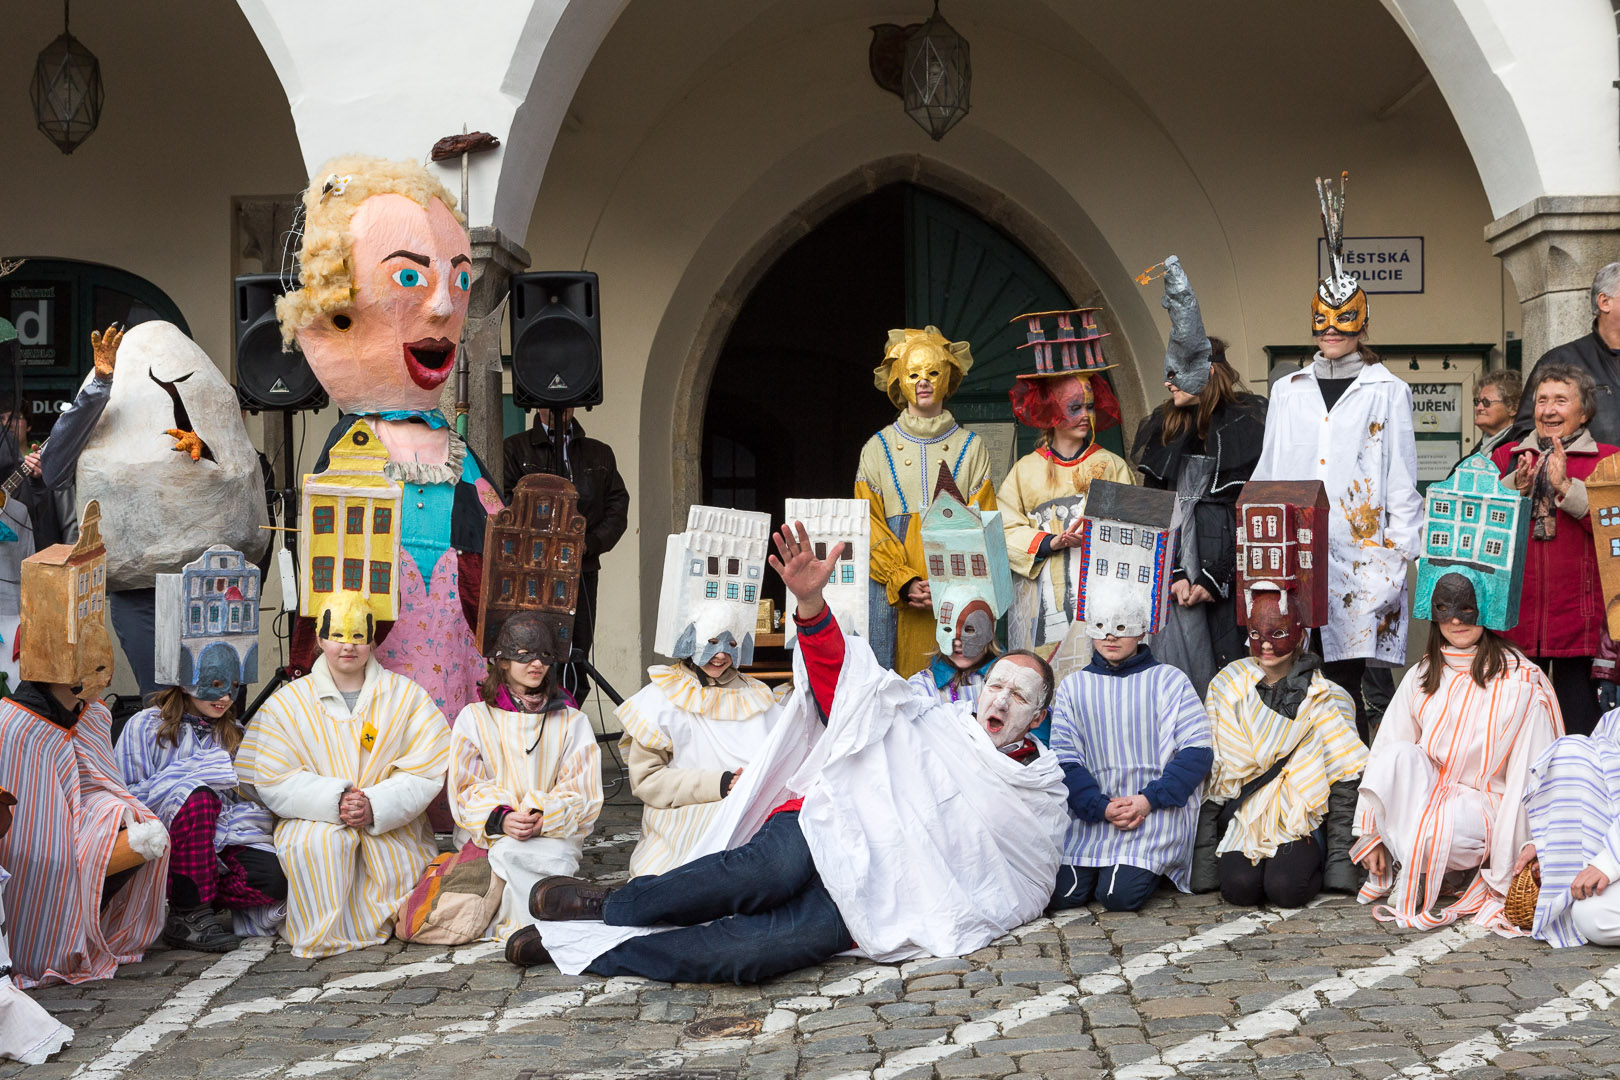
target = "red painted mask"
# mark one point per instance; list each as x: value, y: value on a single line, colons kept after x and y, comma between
x: 1270, y: 625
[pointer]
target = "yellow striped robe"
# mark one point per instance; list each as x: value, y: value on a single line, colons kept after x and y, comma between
x: 302, y: 751
x: 1249, y: 737
x: 492, y: 765
x: 714, y: 728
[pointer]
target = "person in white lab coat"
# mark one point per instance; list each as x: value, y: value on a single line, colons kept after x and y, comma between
x: 1347, y: 421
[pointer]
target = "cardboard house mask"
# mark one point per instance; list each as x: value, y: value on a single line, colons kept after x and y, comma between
x: 1128, y: 548
x: 1477, y: 527
x: 208, y: 625
x: 968, y: 572
x: 63, y: 637
x: 712, y: 575
x: 533, y: 551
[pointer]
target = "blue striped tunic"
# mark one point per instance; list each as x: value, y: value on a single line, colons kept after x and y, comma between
x: 1125, y: 729
x: 1573, y: 802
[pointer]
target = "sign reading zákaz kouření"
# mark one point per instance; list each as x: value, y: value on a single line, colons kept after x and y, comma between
x: 1382, y: 264
x: 1437, y: 425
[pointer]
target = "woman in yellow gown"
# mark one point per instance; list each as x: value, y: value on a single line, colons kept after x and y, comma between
x: 898, y: 472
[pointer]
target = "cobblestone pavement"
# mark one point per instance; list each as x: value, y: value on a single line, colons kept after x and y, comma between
x: 1188, y: 987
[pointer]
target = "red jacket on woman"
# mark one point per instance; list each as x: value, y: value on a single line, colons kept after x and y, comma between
x: 1561, y: 606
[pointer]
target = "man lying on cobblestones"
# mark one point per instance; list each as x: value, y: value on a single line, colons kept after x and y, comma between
x: 873, y: 820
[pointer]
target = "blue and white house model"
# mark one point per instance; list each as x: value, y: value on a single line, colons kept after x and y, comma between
x: 207, y: 623
x: 1476, y: 526
x: 712, y: 576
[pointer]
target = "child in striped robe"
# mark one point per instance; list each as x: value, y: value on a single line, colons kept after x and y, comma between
x: 28, y: 1033
x: 1134, y: 743
x: 1573, y: 800
x: 1443, y: 791
x: 1286, y: 754
x: 348, y: 757
x: 178, y: 758
x: 525, y: 776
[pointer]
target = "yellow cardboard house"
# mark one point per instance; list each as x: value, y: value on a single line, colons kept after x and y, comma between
x: 349, y: 527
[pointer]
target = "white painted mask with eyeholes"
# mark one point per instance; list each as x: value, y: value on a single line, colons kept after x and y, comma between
x: 1011, y: 701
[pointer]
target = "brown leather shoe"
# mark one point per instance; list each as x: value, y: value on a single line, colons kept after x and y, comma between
x: 525, y: 950
x: 564, y: 899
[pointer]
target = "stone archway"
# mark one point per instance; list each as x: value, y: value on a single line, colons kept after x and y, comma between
x: 672, y: 416
x: 695, y: 375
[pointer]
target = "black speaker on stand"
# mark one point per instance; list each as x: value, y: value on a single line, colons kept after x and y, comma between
x: 556, y: 340
x: 269, y: 379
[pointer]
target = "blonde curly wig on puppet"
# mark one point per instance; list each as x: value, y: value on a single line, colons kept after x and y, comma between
x: 334, y: 194
x: 928, y: 344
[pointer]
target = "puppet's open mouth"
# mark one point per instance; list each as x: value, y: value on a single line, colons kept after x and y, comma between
x: 430, y: 361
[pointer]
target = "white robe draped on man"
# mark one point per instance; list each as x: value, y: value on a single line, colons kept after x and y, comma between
x: 930, y: 840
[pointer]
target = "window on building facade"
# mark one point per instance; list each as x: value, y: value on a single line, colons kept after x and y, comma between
x: 821, y: 549
x: 1614, y: 548
x: 958, y: 566
x: 559, y: 591
x: 1607, y: 515
x: 354, y: 573
x: 714, y: 565
x: 1468, y: 511
x: 945, y: 613
x: 1442, y: 507
x: 506, y: 587
x: 979, y: 569
x: 733, y: 567
x: 320, y: 573
x: 355, y: 521
x: 1492, y: 547
x: 711, y: 589
x: 1439, y: 539
x: 532, y: 585
x: 750, y: 592
x: 382, y: 576
x: 1305, y: 559
x: 382, y: 520
x: 1143, y: 575
x: 1276, y: 558
x: 322, y: 517
x: 1147, y: 538
x: 1467, y: 539
x: 1127, y: 536
x: 1123, y: 572
x: 1105, y: 533
x: 846, y: 574
x: 1100, y: 568
x: 1498, y: 517
x: 509, y: 546
x: 936, y: 566
x: 1257, y: 557
x: 731, y: 590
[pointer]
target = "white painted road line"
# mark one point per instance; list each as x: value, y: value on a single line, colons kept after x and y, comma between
x: 1589, y: 997
x: 1289, y: 1011
x: 178, y: 1013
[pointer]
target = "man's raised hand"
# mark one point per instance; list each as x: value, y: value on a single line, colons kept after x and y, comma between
x: 796, y: 563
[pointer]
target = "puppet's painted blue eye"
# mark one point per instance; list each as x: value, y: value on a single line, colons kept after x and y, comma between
x: 464, y: 281
x: 410, y: 277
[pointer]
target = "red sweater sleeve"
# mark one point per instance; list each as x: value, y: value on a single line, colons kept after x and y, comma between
x: 821, y: 643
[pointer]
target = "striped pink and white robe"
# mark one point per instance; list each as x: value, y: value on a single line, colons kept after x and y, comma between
x: 71, y: 804
x: 1444, y: 786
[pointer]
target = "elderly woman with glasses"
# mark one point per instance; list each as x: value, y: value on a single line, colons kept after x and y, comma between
x: 1561, y: 607
x: 1495, y: 403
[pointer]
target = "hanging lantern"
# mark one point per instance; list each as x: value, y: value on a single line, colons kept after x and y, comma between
x: 66, y: 90
x: 938, y: 75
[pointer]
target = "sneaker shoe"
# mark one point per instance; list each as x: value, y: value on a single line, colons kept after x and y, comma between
x: 563, y: 899
x: 197, y: 929
x: 525, y: 950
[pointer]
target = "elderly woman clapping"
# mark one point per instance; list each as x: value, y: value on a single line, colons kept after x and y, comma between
x: 1561, y: 607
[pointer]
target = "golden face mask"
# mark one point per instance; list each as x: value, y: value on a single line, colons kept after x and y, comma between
x: 924, y: 362
x: 346, y: 617
x: 915, y: 355
x: 1348, y: 318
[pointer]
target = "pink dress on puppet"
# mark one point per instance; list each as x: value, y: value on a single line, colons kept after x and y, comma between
x: 430, y: 643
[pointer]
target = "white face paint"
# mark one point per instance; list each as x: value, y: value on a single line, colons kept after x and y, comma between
x: 1010, y: 703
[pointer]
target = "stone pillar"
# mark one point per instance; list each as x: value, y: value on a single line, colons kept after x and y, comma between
x: 495, y: 259
x: 1552, y: 247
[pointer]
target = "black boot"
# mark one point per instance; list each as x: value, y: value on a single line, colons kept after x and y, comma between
x: 198, y: 929
x: 1339, y: 874
x: 1205, y: 873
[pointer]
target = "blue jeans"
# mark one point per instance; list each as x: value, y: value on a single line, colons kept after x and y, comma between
x: 765, y: 909
x: 1117, y: 888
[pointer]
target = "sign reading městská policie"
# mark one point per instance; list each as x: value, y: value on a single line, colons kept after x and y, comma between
x: 1382, y: 264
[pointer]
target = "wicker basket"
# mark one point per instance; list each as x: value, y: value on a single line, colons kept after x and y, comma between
x: 1522, y: 894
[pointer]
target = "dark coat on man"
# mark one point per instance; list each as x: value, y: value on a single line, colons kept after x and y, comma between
x: 603, y: 499
x: 1592, y: 355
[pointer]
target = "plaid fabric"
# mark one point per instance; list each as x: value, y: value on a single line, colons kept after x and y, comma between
x: 191, y: 844
x: 234, y: 891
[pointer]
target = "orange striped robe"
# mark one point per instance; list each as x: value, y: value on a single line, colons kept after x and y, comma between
x: 70, y: 806
x: 528, y: 761
x: 1481, y: 742
x: 303, y: 749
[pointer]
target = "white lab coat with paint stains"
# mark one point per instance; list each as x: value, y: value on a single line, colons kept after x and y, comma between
x: 1365, y: 455
x: 931, y: 841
